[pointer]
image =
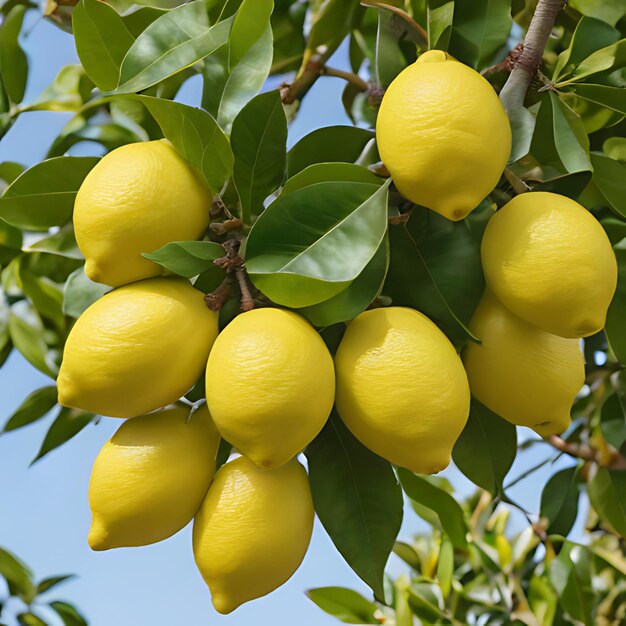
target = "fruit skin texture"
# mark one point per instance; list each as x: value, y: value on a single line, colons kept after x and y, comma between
x: 270, y: 384
x: 525, y: 375
x: 136, y: 199
x: 138, y: 348
x: 401, y: 388
x: 252, y: 531
x: 548, y: 260
x: 150, y: 478
x: 443, y: 135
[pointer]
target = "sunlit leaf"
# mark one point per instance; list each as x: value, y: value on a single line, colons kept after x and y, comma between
x: 345, y: 605
x: 559, y: 501
x: 67, y: 424
x: 34, y: 407
x: 13, y: 61
x: 188, y: 258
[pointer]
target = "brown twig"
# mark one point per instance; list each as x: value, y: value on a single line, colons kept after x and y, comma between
x: 234, y: 265
x: 587, y: 453
x: 352, y: 78
x: 400, y: 13
x: 506, y: 64
x: 290, y: 92
x: 217, y: 299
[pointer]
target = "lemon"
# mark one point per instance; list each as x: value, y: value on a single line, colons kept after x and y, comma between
x: 548, y: 260
x: 150, y: 478
x: 270, y: 384
x: 136, y: 199
x: 524, y: 374
x: 138, y: 348
x: 401, y: 388
x: 252, y: 531
x: 443, y: 135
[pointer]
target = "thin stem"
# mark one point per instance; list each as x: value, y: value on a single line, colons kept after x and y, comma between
x: 531, y: 471
x: 352, y: 78
x: 528, y: 62
x: 400, y: 13
x: 247, y: 301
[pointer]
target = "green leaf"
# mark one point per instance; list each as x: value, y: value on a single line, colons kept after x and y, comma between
x: 259, y: 142
x: 331, y: 143
x: 607, y: 492
x: 435, y: 268
x: 34, y: 407
x: 440, y: 15
x: 249, y: 26
x: 171, y: 43
x: 18, y: 576
x: 67, y: 424
x: 10, y: 242
x: 10, y: 170
x: 543, y: 600
x: 408, y: 554
x: 309, y: 245
x: 613, y: 418
x: 480, y: 29
x: 80, y: 292
x: 69, y: 91
x: 486, y: 448
x: 615, y: 148
x: 609, y: 178
x: 611, y: 11
x: 46, y: 295
x: 48, y: 583
x: 137, y: 21
x: 188, y: 258
x: 63, y: 243
x: 590, y: 35
x: 448, y: 510
x: 347, y: 304
x: 196, y: 136
x: 26, y: 330
x: 345, y: 605
x: 357, y: 499
x: 606, y: 59
x: 68, y: 614
x: 43, y: 196
x: 559, y: 501
x: 389, y: 58
x: 102, y: 41
x: 325, y: 172
x: 13, y: 61
x: 30, y: 619
x: 560, y: 140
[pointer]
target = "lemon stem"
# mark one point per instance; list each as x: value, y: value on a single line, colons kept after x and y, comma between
x: 350, y: 77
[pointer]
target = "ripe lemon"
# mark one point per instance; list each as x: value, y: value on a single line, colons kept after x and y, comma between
x: 150, y: 478
x: 252, y: 531
x: 443, y: 135
x: 270, y: 384
x: 136, y: 199
x: 401, y: 388
x: 524, y: 374
x: 548, y: 260
x: 137, y: 349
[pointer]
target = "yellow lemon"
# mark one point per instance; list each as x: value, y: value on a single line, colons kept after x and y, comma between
x: 548, y: 260
x: 137, y: 349
x: 443, y: 135
x: 136, y: 199
x: 270, y: 384
x: 252, y: 531
x: 401, y: 388
x: 524, y: 374
x: 150, y: 478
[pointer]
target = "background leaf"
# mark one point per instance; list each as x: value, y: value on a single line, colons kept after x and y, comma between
x: 80, y: 292
x: 34, y: 407
x: 607, y: 492
x: 68, y: 614
x: 17, y: 575
x: 13, y: 61
x: 559, y: 501
x: 188, y: 258
x: 67, y: 424
x: 345, y: 605
x: 614, y: 329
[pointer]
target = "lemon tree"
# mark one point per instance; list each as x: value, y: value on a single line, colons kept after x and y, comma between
x: 321, y: 326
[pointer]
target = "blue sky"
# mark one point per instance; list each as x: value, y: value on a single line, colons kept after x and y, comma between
x: 44, y: 515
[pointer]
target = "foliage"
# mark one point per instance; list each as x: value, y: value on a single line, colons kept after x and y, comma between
x: 296, y: 208
x: 27, y: 601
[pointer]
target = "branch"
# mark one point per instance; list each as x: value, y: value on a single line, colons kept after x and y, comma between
x: 584, y: 451
x: 352, y: 78
x: 376, y: 4
x: 290, y: 92
x: 528, y: 62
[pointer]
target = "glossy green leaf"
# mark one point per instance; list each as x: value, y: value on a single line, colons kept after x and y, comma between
x: 17, y: 575
x: 137, y: 21
x: 344, y: 604
x: 448, y: 510
x: 609, y: 178
x: 610, y: 97
x: 611, y: 11
x: 440, y: 17
x: 614, y: 328
x: 613, y: 418
x: 559, y: 501
x: 347, y: 304
x: 43, y: 196
x: 80, y: 292
x: 26, y: 330
x: 171, y: 43
x: 480, y: 29
x: 435, y: 268
x: 46, y: 295
x: 606, y: 59
x: 259, y: 143
x: 102, y: 41
x: 331, y: 143
x: 309, y: 245
x: 67, y: 424
x: 357, y: 499
x: 607, y: 492
x: 48, y: 583
x: 486, y: 448
x: 188, y: 258
x: 590, y: 35
x: 249, y: 26
x: 196, y: 136
x: 13, y: 61
x: 10, y: 242
x: 63, y: 243
x: 68, y: 614
x: 10, y: 170
x: 34, y: 407
x: 615, y: 148
x: 325, y: 172
x: 389, y: 58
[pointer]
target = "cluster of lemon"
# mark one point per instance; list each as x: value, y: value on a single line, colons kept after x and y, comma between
x: 396, y: 380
